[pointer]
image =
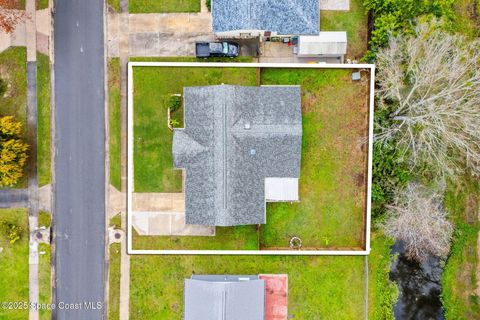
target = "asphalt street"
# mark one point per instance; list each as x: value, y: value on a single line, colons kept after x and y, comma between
x: 79, y: 183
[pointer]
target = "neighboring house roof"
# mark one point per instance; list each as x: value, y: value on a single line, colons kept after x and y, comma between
x: 286, y: 17
x: 224, y: 298
x: 234, y: 138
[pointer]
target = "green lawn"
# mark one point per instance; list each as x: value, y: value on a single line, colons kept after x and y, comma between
x: 331, y: 186
x: 13, y: 69
x: 114, y: 121
x: 226, y: 238
x: 43, y: 124
x: 153, y: 168
x: 382, y: 293
x: 153, y: 6
x: 354, y: 22
x: 114, y: 282
x: 14, y: 264
x: 42, y: 4
x: 45, y: 267
x: 318, y: 287
x: 459, y: 277
x: 115, y: 5
x: 45, y: 278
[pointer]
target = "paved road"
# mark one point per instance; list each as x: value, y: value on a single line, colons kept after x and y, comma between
x: 79, y: 190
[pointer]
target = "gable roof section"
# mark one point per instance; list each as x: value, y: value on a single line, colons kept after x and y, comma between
x: 235, y: 137
x: 219, y: 299
x: 286, y: 17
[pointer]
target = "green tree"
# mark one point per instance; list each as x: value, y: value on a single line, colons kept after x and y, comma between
x: 13, y: 151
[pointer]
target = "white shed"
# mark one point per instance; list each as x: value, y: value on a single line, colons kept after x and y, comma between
x: 328, y: 44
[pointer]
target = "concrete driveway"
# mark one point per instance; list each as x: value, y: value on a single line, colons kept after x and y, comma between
x: 161, y: 35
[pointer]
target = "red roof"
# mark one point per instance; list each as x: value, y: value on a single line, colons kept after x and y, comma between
x: 276, y: 296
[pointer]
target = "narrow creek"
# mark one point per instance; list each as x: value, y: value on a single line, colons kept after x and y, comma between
x: 419, y: 287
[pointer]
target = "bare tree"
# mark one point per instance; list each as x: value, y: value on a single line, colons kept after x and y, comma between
x: 418, y: 219
x: 9, y: 17
x: 430, y: 84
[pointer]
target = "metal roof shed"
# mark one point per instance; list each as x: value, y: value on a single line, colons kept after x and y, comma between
x: 326, y: 44
x: 235, y: 298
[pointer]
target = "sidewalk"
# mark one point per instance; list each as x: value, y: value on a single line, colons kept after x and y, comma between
x: 31, y: 42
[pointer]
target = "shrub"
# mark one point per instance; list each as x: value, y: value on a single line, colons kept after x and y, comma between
x: 394, y: 16
x: 418, y: 219
x: 209, y: 5
x: 11, y: 231
x: 13, y: 152
x: 174, y: 103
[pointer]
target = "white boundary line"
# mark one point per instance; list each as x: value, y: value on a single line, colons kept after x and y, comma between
x: 130, y: 250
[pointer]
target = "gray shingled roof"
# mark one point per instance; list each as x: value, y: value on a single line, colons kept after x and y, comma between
x: 229, y: 299
x: 235, y: 137
x: 286, y: 17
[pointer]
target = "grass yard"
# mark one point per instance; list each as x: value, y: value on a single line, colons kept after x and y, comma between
x: 154, y: 6
x: 41, y: 4
x: 153, y: 168
x: 382, y: 293
x: 45, y: 279
x: 459, y: 279
x: 114, y: 121
x: 333, y: 167
x: 45, y: 267
x: 43, y: 122
x: 114, y: 282
x: 115, y: 5
x: 226, y: 238
x: 13, y: 69
x: 14, y: 264
x: 354, y: 22
x: 114, y: 273
x: 319, y: 287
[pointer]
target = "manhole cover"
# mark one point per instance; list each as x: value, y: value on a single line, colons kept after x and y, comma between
x: 39, y: 235
x: 118, y: 235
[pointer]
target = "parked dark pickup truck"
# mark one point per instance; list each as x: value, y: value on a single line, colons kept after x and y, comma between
x: 216, y: 49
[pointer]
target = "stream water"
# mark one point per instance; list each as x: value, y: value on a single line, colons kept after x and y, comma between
x: 419, y: 286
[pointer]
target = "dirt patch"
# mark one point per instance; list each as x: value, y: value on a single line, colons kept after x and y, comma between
x: 471, y: 210
x: 360, y: 179
x: 309, y: 102
x: 472, y: 10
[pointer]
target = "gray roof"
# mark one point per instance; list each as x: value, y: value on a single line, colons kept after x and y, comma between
x: 234, y: 138
x: 224, y: 300
x: 286, y: 17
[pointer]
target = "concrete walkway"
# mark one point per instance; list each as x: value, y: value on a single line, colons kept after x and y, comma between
x: 124, y: 257
x: 158, y: 202
x: 167, y: 224
x: 33, y: 202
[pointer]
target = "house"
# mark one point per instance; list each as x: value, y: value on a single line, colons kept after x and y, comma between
x: 236, y: 297
x: 253, y: 18
x: 240, y: 147
x: 328, y: 44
